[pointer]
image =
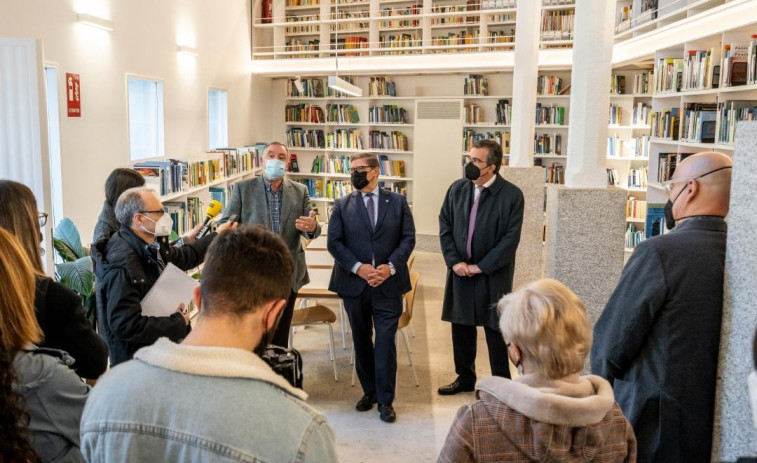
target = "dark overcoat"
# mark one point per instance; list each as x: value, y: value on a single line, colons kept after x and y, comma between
x: 657, y: 340
x: 472, y: 300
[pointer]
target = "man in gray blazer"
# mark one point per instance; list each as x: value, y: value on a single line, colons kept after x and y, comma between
x: 282, y: 206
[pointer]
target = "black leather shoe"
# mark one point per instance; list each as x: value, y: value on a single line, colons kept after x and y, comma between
x: 366, y: 403
x: 455, y: 387
x: 387, y: 413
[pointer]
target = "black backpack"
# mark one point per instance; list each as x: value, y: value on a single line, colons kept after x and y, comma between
x: 285, y: 362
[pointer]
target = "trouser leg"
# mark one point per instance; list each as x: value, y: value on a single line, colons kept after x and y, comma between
x: 281, y: 335
x: 464, y: 349
x: 386, y: 314
x: 498, y: 359
x: 360, y: 313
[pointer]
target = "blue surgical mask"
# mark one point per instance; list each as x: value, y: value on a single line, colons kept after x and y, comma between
x: 274, y: 169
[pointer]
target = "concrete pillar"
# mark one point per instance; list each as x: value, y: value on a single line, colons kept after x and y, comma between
x: 590, y: 94
x: 528, y: 260
x: 585, y: 229
x: 525, y: 74
x: 734, y: 433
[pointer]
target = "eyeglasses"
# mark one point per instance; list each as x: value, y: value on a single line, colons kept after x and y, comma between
x: 42, y: 217
x: 361, y: 169
x: 153, y: 212
x: 669, y: 184
x: 478, y: 162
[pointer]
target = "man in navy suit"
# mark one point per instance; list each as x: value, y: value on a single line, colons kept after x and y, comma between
x: 371, y: 235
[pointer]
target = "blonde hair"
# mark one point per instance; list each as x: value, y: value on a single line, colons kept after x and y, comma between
x: 548, y: 322
x: 19, y: 216
x: 18, y: 322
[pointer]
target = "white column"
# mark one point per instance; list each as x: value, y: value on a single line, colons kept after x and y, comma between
x: 590, y: 95
x: 525, y: 74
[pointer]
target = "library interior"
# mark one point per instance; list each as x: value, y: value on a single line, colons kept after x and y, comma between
x: 228, y: 229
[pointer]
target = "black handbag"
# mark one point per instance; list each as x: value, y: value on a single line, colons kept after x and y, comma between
x: 285, y: 362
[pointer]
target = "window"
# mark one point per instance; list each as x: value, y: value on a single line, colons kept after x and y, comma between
x: 218, y: 120
x: 145, y: 118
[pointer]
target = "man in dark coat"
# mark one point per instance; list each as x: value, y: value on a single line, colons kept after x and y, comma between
x: 479, y: 229
x: 657, y: 340
x: 371, y: 236
x: 129, y: 264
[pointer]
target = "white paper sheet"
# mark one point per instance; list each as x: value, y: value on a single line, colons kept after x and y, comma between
x: 172, y: 288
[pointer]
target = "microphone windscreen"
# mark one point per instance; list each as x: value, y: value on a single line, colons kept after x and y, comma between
x: 214, y: 208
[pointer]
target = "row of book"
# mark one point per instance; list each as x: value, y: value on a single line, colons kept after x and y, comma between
x: 391, y: 168
x: 319, y: 188
x: 548, y: 144
x: 410, y: 10
x: 554, y: 173
x: 307, y: 47
x: 398, y: 44
x: 636, y: 208
x: 340, y: 164
x: 642, y: 83
x: 550, y: 114
x: 665, y: 124
x: 349, y: 139
x: 476, y: 85
x: 305, y: 138
x: 612, y: 177
x: 637, y: 177
x: 303, y: 113
x: 454, y: 38
x: 394, y: 140
x: 342, y: 113
x: 701, y: 69
x: 557, y: 25
x: 302, y: 2
x: 636, y: 147
x: 699, y: 122
x: 501, y: 36
x: 390, y: 114
x: 617, y: 84
x: 729, y: 114
x: 350, y: 43
x: 616, y: 115
x: 642, y: 114
x: 634, y: 236
x: 473, y: 114
x: 185, y: 214
x: 311, y: 88
x: 549, y: 85
x: 667, y: 163
x: 471, y: 137
x: 639, y: 12
x: 504, y: 112
x: 380, y: 86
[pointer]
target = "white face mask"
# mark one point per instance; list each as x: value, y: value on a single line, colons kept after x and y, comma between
x: 163, y: 225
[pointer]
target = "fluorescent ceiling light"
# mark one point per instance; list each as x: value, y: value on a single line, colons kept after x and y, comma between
x: 94, y: 21
x: 341, y: 85
x: 187, y: 50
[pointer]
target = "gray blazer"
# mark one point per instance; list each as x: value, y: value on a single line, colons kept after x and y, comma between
x: 249, y: 203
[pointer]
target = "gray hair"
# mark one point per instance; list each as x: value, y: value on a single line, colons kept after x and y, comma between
x: 129, y: 203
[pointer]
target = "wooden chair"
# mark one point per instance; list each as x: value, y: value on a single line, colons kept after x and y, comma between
x: 316, y: 315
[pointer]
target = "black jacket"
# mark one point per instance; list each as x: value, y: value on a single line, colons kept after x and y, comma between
x: 657, y: 340
x: 472, y: 300
x: 65, y: 327
x: 126, y: 270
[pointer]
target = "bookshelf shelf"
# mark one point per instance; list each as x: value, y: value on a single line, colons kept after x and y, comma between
x: 568, y: 6
x: 553, y: 97
x: 629, y: 250
x: 343, y: 150
x: 630, y: 188
x: 635, y: 220
x: 480, y: 97
x: 222, y: 181
x: 303, y: 8
x: 551, y: 126
x: 486, y: 125
x: 630, y: 95
x: 629, y: 127
x: 387, y: 178
x: 550, y: 156
x: 628, y: 158
x: 394, y: 29
x: 664, y: 19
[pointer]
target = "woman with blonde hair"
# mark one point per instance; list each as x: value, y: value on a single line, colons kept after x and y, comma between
x: 59, y: 310
x: 550, y: 412
x: 41, y: 396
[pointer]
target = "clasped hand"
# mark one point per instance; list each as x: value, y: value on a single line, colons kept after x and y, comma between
x: 306, y: 223
x: 374, y: 276
x: 465, y: 270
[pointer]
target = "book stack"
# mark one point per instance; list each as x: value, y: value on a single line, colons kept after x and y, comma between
x: 549, y: 85
x: 642, y: 114
x: 734, y: 70
x: 348, y: 139
x: 390, y: 114
x: 637, y: 178
x: 331, y: 164
x: 392, y: 141
x: 701, y: 69
x: 699, y: 120
x: 379, y: 86
x: 616, y: 113
x: 554, y: 174
x: 313, y: 28
x: 665, y: 124
x: 548, y: 144
x: 666, y: 166
x: 642, y: 83
x: 504, y: 112
x: 173, y: 176
x: 342, y: 113
x: 668, y: 75
x: 557, y: 25
x: 639, y: 146
x: 552, y: 114
x: 634, y: 236
x: 391, y: 168
x: 303, y: 113
x: 473, y: 114
x: 305, y: 138
x: 470, y: 137
x: 476, y: 85
x: 617, y: 84
x: 312, y: 88
x: 729, y: 113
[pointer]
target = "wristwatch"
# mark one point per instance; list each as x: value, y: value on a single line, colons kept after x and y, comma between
x: 392, y: 270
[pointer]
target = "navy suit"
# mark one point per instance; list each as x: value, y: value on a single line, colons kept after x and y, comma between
x: 352, y: 239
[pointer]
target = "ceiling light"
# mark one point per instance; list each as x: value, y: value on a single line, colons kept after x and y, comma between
x: 94, y: 21
x: 187, y: 50
x: 341, y: 85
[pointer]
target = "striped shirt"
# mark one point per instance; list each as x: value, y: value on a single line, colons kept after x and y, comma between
x: 273, y: 199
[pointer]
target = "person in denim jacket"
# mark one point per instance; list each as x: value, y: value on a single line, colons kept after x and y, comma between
x: 211, y: 398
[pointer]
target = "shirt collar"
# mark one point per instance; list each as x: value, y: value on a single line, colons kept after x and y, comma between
x: 268, y: 187
x: 375, y: 192
x: 488, y: 183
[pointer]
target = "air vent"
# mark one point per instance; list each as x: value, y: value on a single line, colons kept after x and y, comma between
x: 438, y: 110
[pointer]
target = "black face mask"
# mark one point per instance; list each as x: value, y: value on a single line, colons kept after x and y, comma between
x: 472, y: 172
x: 359, y: 180
x: 670, y: 221
x: 267, y: 338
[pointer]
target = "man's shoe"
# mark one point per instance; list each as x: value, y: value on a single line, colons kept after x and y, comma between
x: 387, y: 413
x: 366, y: 403
x: 454, y: 388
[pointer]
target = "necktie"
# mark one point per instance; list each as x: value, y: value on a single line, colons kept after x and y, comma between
x: 472, y: 221
x: 369, y: 207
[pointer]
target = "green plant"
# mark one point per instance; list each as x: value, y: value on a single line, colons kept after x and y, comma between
x: 76, y: 271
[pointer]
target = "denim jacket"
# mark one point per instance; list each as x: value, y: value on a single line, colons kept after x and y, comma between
x: 201, y: 404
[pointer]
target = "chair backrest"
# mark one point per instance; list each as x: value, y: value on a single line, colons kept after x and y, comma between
x: 410, y: 262
x: 410, y: 295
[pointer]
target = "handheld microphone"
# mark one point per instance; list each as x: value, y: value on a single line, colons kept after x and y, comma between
x: 214, y: 208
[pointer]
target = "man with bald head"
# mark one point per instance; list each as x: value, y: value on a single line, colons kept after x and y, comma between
x: 657, y: 340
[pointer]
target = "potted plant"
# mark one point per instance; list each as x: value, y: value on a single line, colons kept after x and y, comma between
x: 76, y: 271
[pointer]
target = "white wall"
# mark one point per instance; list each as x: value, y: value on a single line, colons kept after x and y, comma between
x: 144, y: 42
